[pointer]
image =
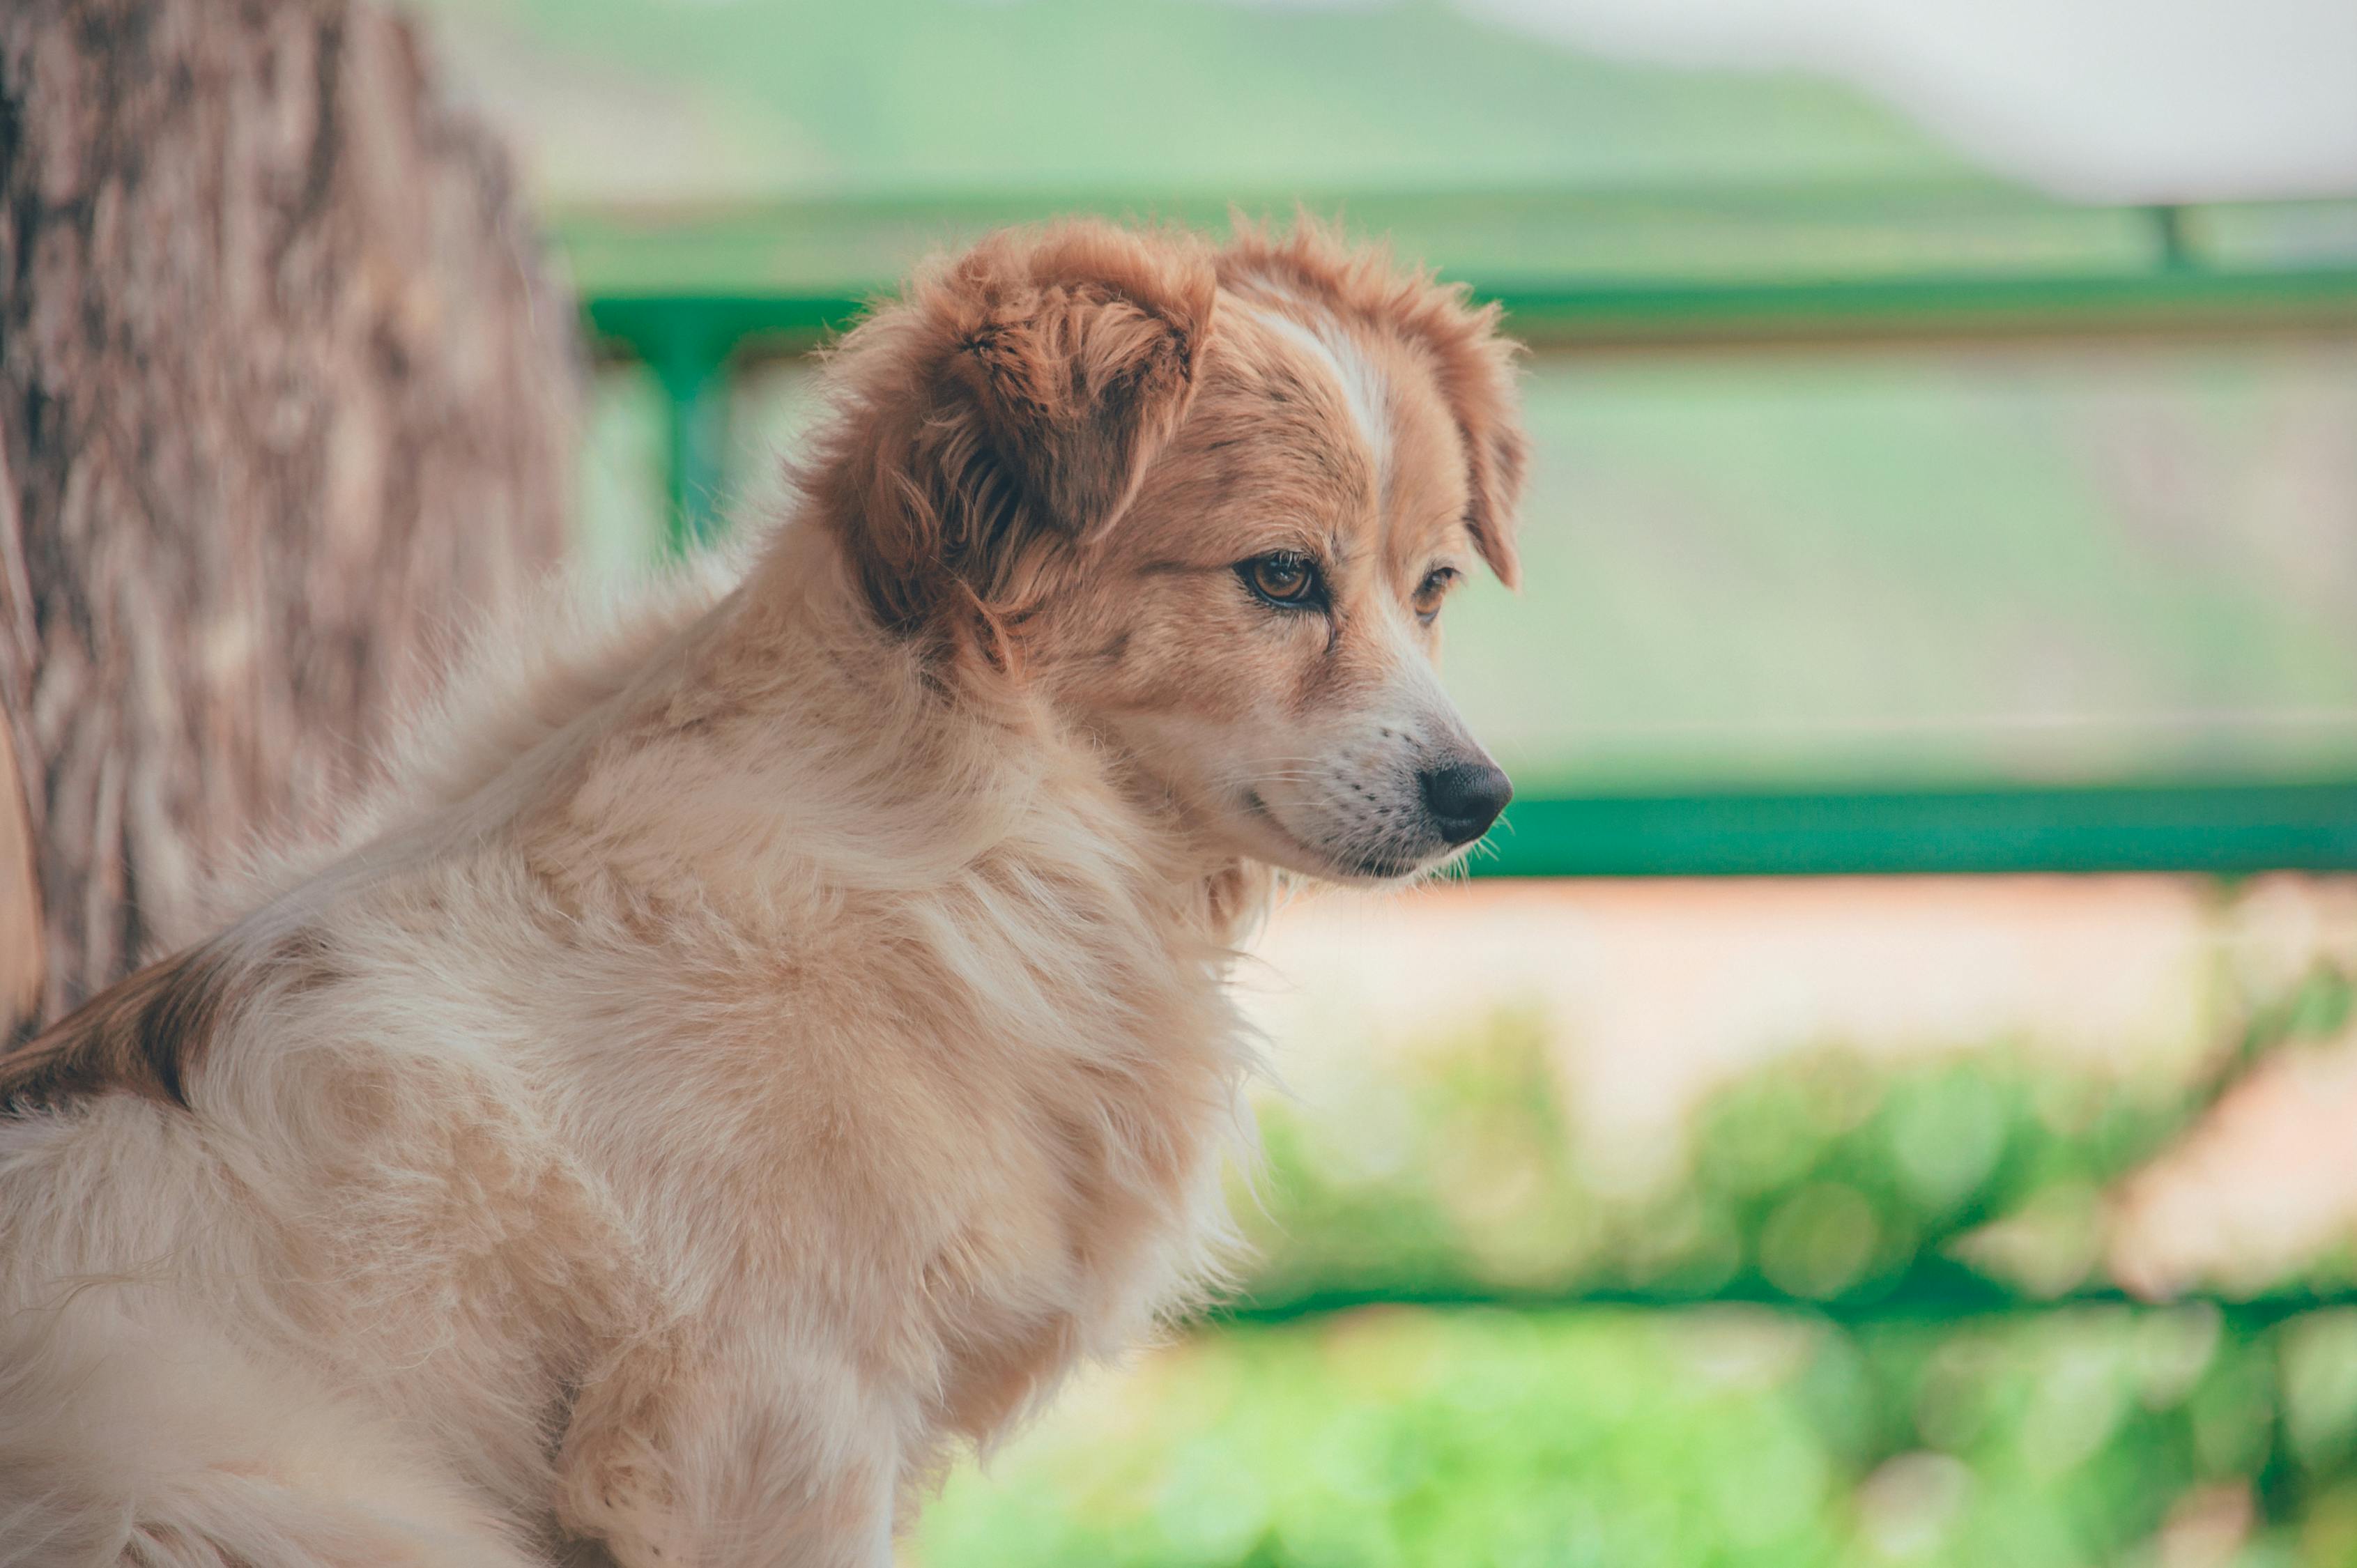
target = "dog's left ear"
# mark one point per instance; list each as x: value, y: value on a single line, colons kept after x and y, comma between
x: 1003, y: 413
x: 1498, y: 460
x: 1475, y: 362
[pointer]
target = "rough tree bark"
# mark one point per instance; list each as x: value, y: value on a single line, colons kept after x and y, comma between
x: 283, y: 396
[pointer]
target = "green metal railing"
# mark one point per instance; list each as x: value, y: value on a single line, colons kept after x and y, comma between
x: 694, y: 293
x: 1934, y: 1291
x: 2224, y: 829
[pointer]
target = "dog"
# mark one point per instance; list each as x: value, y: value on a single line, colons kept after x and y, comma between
x: 762, y: 1039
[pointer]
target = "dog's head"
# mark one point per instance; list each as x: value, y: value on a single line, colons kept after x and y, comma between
x: 1211, y: 502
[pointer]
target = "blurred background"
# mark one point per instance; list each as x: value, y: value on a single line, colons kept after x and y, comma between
x: 1888, y: 1093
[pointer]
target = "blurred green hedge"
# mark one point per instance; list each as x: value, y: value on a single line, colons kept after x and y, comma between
x: 1856, y: 1372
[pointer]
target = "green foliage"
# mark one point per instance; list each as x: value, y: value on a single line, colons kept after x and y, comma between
x: 1411, y: 1439
x: 1720, y: 1437
x: 1907, y: 1398
x: 1823, y: 1180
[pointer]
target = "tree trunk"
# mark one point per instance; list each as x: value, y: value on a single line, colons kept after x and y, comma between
x: 283, y: 394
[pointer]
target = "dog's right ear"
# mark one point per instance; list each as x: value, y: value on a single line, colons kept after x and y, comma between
x: 1003, y: 413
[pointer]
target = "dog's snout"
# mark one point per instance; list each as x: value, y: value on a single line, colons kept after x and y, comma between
x: 1465, y: 798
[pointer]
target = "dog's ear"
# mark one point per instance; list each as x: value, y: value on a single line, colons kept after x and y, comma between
x: 1475, y: 363
x: 1004, y: 411
x: 1481, y: 391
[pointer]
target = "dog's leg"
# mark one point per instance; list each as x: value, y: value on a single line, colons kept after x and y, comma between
x: 759, y: 1456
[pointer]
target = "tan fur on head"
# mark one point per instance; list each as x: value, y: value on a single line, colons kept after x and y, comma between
x: 1473, y: 360
x: 756, y: 1045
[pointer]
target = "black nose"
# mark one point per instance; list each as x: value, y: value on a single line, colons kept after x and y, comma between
x: 1465, y: 798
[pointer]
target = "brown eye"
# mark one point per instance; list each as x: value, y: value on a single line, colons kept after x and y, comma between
x: 1432, y: 590
x: 1285, y: 578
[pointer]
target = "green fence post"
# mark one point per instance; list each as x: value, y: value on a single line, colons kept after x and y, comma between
x: 693, y: 371
x: 2169, y: 232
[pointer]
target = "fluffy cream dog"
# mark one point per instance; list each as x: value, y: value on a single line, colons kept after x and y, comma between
x: 761, y: 1044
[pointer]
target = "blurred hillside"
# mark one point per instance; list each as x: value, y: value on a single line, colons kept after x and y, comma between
x: 713, y: 98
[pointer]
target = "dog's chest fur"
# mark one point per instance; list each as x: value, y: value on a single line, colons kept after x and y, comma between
x: 971, y: 1164
x: 1076, y: 1189
x: 937, y: 1074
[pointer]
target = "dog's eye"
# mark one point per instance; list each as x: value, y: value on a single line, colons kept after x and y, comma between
x: 1286, y: 578
x: 1431, y: 591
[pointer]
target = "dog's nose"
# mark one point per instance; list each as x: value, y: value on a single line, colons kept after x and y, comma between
x: 1465, y: 798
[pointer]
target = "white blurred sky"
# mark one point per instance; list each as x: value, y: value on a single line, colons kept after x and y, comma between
x: 2120, y: 99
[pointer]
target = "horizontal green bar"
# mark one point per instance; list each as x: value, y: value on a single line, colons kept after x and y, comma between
x: 2168, y: 302
x: 1933, y: 1291
x: 2221, y: 829
x: 652, y: 326
x: 661, y: 327
x: 1814, y: 233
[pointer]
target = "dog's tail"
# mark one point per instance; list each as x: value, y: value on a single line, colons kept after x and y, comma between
x: 172, y: 1448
